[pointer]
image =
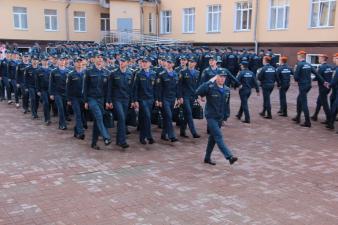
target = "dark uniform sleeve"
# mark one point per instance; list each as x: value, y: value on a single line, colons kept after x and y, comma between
x: 297, y: 72
x: 233, y: 79
x: 334, y: 81
x: 136, y: 87
x: 51, y: 84
x: 68, y: 80
x: 260, y: 74
x: 180, y: 85
x: 318, y: 75
x: 203, y: 89
x: 110, y: 88
x: 278, y: 74
x: 85, y: 87
x: 256, y: 83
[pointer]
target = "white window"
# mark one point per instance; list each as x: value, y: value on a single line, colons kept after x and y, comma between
x: 214, y: 18
x: 105, y: 22
x: 151, y: 23
x: 313, y: 59
x: 189, y: 20
x: 243, y: 15
x: 166, y: 22
x: 51, y: 20
x: 279, y: 14
x: 323, y: 13
x: 80, y: 21
x: 20, y: 18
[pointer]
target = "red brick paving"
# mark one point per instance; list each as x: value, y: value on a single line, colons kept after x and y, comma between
x: 285, y: 175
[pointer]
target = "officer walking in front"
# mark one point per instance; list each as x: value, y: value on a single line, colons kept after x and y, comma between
x: 217, y: 94
x: 95, y: 79
x: 267, y: 76
x: 74, y: 96
x: 20, y: 81
x: 247, y: 80
x: 120, y: 86
x: 284, y: 73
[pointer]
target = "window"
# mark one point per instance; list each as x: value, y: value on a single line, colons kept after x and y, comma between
x: 323, y: 13
x: 214, y: 18
x: 189, y: 20
x: 20, y: 18
x: 279, y: 14
x: 150, y: 20
x: 166, y: 22
x: 243, y: 15
x: 105, y: 22
x: 313, y: 59
x: 79, y: 21
x: 51, y: 20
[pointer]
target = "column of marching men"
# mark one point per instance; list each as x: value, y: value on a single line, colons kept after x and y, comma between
x: 93, y: 80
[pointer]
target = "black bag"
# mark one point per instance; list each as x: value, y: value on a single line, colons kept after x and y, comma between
x: 132, y: 118
x: 178, y: 115
x: 108, y: 119
x: 154, y: 115
x: 197, y: 111
x: 160, y: 120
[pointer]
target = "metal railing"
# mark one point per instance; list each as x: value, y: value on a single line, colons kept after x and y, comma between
x: 135, y: 37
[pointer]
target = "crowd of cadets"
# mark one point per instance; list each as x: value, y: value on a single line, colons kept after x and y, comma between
x: 96, y: 78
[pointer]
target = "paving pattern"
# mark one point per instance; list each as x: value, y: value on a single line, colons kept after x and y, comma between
x: 285, y: 175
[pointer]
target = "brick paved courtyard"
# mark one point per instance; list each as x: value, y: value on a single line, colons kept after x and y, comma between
x: 285, y: 175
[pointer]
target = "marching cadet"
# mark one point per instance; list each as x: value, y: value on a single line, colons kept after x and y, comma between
x: 183, y: 64
x: 217, y: 95
x: 74, y: 96
x: 334, y: 87
x: 188, y: 82
x: 119, y: 95
x: 144, y: 94
x: 57, y: 90
x: 42, y: 88
x: 325, y: 70
x: 284, y: 73
x: 4, y: 76
x: 267, y: 76
x: 302, y: 76
x: 95, y: 79
x: 30, y: 83
x: 12, y: 70
x: 167, y: 93
x: 20, y: 81
x: 247, y: 80
x: 230, y: 61
x: 210, y: 71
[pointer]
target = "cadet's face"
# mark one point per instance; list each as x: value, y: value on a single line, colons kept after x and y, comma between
x: 322, y: 59
x: 212, y: 62
x: 35, y: 62
x: 44, y: 63
x: 300, y: 57
x: 123, y: 64
x: 184, y: 62
x: 61, y: 62
x: 145, y: 65
x: 99, y: 60
x: 78, y: 64
x: 170, y: 65
x: 220, y: 80
x: 192, y: 64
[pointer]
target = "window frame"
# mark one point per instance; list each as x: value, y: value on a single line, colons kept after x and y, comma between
x: 286, y: 7
x: 249, y: 16
x: 20, y: 14
x: 219, y: 12
x: 167, y: 17
x: 150, y: 23
x: 308, y: 59
x: 192, y: 20
x: 79, y: 22
x: 50, y: 20
x: 318, y: 26
x: 106, y: 22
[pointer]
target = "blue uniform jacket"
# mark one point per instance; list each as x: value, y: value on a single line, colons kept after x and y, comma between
x: 57, y: 82
x: 30, y: 77
x: 167, y: 86
x: 267, y: 75
x: 43, y: 79
x: 120, y: 85
x: 95, y: 82
x: 144, y: 86
x: 188, y: 83
x: 74, y: 84
x: 284, y: 73
x: 248, y: 80
x: 216, y: 100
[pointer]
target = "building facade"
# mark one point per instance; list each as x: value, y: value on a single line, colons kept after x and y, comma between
x: 283, y: 25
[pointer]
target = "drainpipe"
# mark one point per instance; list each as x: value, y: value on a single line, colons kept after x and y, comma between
x: 255, y: 27
x: 141, y: 17
x: 67, y: 19
x: 157, y: 18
